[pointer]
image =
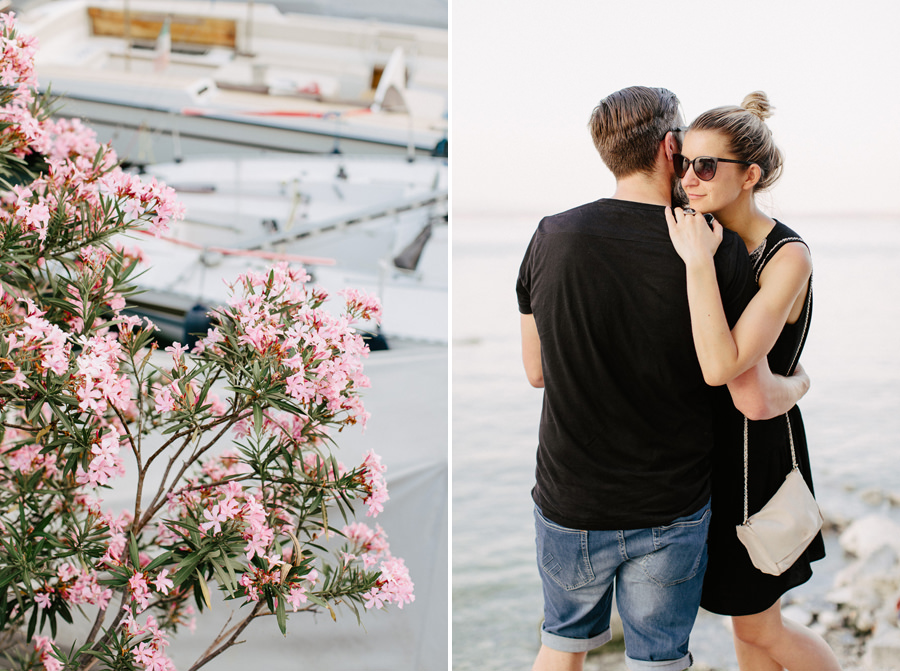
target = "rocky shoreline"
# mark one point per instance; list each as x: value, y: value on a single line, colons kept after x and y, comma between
x: 864, y: 626
x: 859, y: 615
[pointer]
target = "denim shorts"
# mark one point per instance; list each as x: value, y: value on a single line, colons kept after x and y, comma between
x: 657, y: 574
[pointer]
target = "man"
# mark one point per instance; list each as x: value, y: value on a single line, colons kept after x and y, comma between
x: 623, y: 464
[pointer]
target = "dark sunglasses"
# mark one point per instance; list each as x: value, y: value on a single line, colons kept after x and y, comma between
x: 679, y: 129
x: 704, y: 166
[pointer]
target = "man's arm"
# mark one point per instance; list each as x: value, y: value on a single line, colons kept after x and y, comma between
x: 531, y: 351
x: 760, y: 394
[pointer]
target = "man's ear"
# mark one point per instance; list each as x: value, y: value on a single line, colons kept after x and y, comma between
x: 672, y: 147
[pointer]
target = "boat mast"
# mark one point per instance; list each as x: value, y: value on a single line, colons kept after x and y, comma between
x: 127, y: 34
x: 248, y: 37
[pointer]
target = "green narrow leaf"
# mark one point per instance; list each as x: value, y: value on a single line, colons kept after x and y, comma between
x: 198, y: 597
x: 133, y: 551
x: 222, y: 578
x: 35, y: 411
x: 32, y: 623
x: 186, y: 567
x: 65, y: 613
x: 231, y: 574
x: 281, y: 615
x: 204, y: 588
x: 159, y: 561
x: 51, y: 614
x: 316, y: 600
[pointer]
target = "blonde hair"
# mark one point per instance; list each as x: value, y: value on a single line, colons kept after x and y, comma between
x: 628, y: 125
x: 749, y: 138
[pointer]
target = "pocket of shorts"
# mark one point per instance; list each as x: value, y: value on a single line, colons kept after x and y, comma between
x: 680, y: 549
x: 563, y: 553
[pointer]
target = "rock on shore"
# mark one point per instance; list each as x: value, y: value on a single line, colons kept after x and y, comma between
x: 867, y: 591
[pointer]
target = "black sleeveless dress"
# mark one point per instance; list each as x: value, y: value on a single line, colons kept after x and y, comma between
x: 733, y: 586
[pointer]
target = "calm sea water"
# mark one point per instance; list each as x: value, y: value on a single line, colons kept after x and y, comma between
x: 850, y: 414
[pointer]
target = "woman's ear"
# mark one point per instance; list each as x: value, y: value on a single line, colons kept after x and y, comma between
x: 752, y: 177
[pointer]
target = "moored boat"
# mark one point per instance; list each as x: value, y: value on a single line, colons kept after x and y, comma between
x: 166, y: 79
x: 378, y: 224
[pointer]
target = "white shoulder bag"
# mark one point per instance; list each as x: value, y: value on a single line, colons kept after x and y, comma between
x: 780, y: 532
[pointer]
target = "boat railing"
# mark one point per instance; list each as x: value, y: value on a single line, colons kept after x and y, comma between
x: 379, y: 211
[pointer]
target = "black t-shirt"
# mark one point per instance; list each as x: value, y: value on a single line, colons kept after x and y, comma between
x: 626, y: 428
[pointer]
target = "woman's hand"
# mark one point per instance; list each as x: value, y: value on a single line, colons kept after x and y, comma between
x: 691, y: 236
x: 802, y: 378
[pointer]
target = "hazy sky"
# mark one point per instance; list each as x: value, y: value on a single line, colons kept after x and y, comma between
x: 526, y: 75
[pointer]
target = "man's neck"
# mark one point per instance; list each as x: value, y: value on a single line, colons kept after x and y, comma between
x: 642, y: 188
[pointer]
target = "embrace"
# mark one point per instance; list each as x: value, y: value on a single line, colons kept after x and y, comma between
x: 665, y: 325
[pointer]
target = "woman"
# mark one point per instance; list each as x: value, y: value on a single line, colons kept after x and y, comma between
x: 727, y: 157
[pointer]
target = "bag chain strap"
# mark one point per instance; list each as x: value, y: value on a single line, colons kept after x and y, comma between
x: 746, y: 459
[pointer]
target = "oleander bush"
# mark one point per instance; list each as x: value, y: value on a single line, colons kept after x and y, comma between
x: 225, y: 450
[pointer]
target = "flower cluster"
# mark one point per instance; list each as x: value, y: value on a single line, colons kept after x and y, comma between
x: 362, y: 306
x: 78, y: 586
x: 106, y: 462
x: 17, y: 77
x: 149, y: 652
x: 38, y: 345
x: 138, y: 199
x: 376, y: 488
x: 44, y: 647
x: 317, y: 354
x: 394, y: 585
x: 101, y: 384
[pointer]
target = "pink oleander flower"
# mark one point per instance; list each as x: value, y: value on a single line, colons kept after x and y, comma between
x: 215, y: 517
x: 140, y: 592
x: 176, y: 350
x: 162, y: 583
x: 163, y: 398
x: 297, y: 596
x: 144, y: 654
x: 373, y: 543
x: 373, y: 476
x: 216, y: 406
x: 106, y: 462
x: 18, y: 379
x: 44, y: 646
x: 361, y: 305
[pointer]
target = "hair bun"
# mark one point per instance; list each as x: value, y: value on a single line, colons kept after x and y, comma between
x: 757, y: 103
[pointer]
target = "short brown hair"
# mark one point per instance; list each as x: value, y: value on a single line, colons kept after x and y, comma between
x: 628, y: 125
x: 749, y: 138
